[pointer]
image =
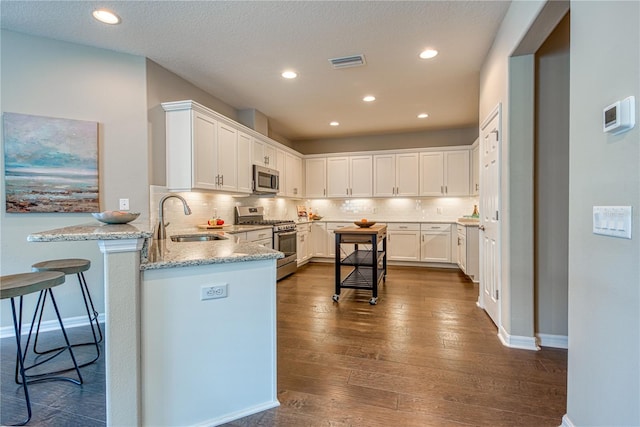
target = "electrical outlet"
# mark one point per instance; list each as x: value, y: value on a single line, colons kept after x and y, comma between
x: 124, y: 204
x: 439, y: 210
x: 213, y: 292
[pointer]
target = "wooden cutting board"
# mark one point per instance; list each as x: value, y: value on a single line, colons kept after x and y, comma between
x: 210, y: 227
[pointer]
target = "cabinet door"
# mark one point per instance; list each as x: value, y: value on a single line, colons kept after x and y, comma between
x: 318, y: 242
x: 406, y: 174
x: 280, y: 165
x: 475, y: 171
x: 244, y: 163
x: 456, y: 169
x: 271, y: 155
x: 227, y: 157
x: 431, y: 174
x: 293, y: 172
x: 302, y: 246
x: 316, y: 177
x: 361, y: 176
x: 435, y: 246
x: 462, y: 252
x: 403, y: 245
x: 205, y: 146
x: 338, y: 177
x: 257, y: 153
x: 384, y: 175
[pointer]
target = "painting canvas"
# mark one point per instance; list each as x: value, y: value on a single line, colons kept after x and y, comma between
x: 51, y: 164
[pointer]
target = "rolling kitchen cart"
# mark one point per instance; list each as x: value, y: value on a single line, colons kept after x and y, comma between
x: 369, y: 266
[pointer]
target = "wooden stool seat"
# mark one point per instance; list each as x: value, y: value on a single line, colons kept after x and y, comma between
x: 16, y: 285
x: 66, y: 266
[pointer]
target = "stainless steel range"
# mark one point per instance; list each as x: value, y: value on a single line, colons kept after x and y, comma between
x: 284, y: 236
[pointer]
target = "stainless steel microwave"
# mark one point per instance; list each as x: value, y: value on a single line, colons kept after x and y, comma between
x: 265, y: 180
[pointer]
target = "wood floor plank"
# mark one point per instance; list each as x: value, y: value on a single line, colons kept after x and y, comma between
x: 425, y: 355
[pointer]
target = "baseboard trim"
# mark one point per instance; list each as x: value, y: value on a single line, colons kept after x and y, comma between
x: 51, y: 325
x: 566, y: 422
x: 239, y: 414
x: 515, y: 341
x: 555, y: 341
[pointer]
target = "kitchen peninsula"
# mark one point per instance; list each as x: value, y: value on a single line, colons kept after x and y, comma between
x: 173, y: 356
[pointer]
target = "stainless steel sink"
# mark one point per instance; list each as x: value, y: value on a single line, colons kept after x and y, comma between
x: 197, y: 237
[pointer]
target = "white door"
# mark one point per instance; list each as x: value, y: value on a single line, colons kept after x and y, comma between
x: 490, y: 141
x: 456, y: 170
x: 338, y: 177
x: 431, y: 174
x: 360, y: 171
x: 227, y: 158
x: 316, y: 177
x: 244, y: 163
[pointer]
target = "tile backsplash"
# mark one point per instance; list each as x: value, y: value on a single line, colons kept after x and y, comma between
x: 206, y: 205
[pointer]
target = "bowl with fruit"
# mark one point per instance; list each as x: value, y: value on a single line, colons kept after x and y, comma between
x: 364, y: 223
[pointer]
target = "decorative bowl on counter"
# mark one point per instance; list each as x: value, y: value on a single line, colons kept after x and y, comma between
x: 364, y: 224
x: 115, y: 217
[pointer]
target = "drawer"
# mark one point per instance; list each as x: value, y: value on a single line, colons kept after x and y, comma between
x: 335, y: 225
x: 259, y: 234
x: 403, y: 226
x: 303, y: 227
x: 435, y: 227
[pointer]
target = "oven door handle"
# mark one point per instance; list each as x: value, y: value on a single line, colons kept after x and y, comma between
x: 288, y: 233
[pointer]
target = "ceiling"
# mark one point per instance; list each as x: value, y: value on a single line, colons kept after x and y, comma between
x: 236, y: 50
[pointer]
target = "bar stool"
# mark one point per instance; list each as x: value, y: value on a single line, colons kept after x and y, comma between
x: 75, y: 266
x: 19, y: 285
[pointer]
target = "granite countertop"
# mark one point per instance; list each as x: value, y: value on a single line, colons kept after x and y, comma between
x: 167, y: 254
x: 93, y: 231
x: 461, y: 221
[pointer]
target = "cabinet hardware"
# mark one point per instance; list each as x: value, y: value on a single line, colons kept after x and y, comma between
x: 497, y: 215
x: 324, y: 191
x: 446, y: 189
x: 347, y: 191
x: 496, y: 294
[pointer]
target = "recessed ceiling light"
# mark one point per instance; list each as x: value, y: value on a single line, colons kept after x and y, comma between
x: 369, y: 98
x: 429, y: 53
x: 106, y: 16
x: 423, y: 115
x: 289, y: 74
x: 334, y: 124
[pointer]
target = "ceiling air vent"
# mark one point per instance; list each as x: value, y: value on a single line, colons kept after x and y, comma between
x: 348, y: 61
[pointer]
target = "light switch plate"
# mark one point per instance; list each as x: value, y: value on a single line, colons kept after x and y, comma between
x: 612, y: 221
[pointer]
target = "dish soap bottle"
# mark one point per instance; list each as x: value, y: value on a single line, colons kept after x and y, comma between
x: 475, y: 213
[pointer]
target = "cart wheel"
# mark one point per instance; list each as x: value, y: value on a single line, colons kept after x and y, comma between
x: 373, y: 301
x: 336, y: 297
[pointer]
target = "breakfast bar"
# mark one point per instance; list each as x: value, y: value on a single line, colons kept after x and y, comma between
x: 369, y: 265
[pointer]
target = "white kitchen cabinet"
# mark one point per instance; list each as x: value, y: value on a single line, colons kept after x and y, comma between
x: 403, y: 242
x: 245, y: 176
x: 318, y: 243
x: 302, y: 235
x: 293, y: 175
x: 395, y: 175
x: 468, y: 251
x: 227, y: 157
x: 316, y: 177
x: 349, y: 176
x: 264, y: 154
x: 444, y: 173
x: 435, y: 242
x: 475, y: 169
x: 203, y: 151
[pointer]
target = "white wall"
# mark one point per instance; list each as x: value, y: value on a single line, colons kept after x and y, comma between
x: 604, y: 272
x: 494, y: 90
x: 50, y: 78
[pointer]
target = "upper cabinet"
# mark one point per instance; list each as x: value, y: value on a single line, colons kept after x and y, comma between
x: 293, y: 175
x: 202, y: 150
x: 444, y: 173
x: 475, y: 169
x: 264, y: 154
x: 349, y: 176
x: 208, y: 151
x: 316, y: 177
x: 395, y: 175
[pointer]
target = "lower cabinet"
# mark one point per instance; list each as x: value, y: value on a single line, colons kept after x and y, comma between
x: 403, y: 242
x: 318, y: 242
x: 468, y: 251
x: 262, y: 237
x: 435, y: 242
x: 302, y: 244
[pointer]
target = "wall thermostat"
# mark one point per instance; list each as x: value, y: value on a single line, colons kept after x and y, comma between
x: 620, y: 116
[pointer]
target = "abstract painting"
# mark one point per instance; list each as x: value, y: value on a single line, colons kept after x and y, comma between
x: 50, y: 164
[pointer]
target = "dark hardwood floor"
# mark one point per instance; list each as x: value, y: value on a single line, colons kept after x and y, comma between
x: 425, y: 355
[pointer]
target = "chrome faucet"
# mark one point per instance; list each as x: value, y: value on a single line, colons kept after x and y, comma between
x: 162, y: 232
